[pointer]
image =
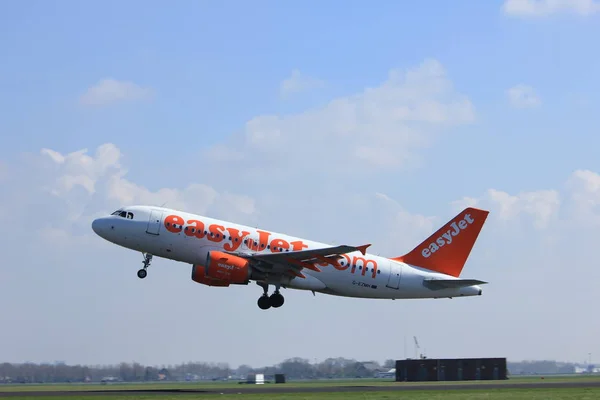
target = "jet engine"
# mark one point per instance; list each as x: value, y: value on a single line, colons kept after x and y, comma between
x: 222, y: 269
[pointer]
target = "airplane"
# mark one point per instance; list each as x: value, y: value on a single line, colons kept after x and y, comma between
x: 224, y: 253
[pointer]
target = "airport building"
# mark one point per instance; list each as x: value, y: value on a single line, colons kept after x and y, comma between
x: 451, y: 369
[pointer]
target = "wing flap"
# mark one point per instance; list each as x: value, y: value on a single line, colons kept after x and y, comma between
x: 297, y: 260
x: 312, y: 254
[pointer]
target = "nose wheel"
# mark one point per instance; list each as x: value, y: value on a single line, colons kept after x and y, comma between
x: 142, y: 273
x: 275, y: 300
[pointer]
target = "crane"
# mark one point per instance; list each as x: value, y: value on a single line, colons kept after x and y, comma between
x: 417, y: 347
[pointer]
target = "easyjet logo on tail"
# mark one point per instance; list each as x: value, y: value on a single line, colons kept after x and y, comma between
x: 457, y: 236
x: 448, y: 237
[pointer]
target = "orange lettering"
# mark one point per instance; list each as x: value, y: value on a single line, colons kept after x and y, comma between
x: 263, y: 239
x: 298, y: 245
x: 237, y: 238
x: 343, y: 267
x: 173, y: 223
x: 279, y: 245
x: 195, y: 228
x: 364, y: 265
x: 216, y: 233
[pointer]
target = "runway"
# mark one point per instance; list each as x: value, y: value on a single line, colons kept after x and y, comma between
x: 281, y: 389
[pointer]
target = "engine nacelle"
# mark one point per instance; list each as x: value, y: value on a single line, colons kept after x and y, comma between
x: 222, y: 269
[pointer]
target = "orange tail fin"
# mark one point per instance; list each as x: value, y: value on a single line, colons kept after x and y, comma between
x: 447, y: 250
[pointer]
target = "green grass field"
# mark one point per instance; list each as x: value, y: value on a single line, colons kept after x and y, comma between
x: 306, y: 383
x: 29, y: 391
x: 508, y: 394
x: 498, y: 394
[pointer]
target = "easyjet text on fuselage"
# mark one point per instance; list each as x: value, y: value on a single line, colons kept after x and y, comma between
x: 235, y: 237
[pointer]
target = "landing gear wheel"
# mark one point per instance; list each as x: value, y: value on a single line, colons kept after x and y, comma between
x: 276, y: 300
x: 147, y: 260
x: 264, y: 302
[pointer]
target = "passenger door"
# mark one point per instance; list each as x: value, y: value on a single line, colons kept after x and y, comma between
x: 395, y: 274
x: 154, y: 222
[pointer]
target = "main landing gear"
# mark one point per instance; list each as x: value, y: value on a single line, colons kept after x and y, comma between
x: 265, y: 301
x: 147, y: 260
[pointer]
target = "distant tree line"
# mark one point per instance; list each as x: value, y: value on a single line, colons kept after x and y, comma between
x: 541, y: 367
x: 293, y: 368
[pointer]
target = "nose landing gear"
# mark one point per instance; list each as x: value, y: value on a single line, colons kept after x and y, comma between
x: 265, y: 301
x: 142, y: 273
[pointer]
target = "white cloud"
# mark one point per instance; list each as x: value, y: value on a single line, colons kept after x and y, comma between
x: 584, y: 186
x: 299, y: 82
x: 78, y: 168
x: 463, y: 203
x: 523, y: 96
x: 542, y: 205
x: 88, y: 186
x: 380, y: 128
x: 110, y: 91
x: 541, y: 8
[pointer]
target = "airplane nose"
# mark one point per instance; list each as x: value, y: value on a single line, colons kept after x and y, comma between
x: 97, y: 226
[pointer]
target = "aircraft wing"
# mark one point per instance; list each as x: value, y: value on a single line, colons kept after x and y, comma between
x: 438, y: 284
x: 295, y: 261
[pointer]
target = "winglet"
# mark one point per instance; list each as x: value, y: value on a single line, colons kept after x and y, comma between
x: 363, y: 248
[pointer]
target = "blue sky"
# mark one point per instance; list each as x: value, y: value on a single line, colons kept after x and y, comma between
x: 199, y: 81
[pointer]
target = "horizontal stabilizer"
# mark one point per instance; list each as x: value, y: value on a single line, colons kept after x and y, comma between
x: 439, y: 284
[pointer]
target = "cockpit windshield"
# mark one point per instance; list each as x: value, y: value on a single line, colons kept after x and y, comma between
x: 123, y: 214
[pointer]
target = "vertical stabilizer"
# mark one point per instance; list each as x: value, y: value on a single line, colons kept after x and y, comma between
x: 447, y: 250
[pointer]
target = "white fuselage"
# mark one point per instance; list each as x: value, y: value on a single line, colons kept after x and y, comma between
x: 188, y: 238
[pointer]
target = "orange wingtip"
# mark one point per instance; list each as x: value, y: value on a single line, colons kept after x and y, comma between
x: 363, y: 248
